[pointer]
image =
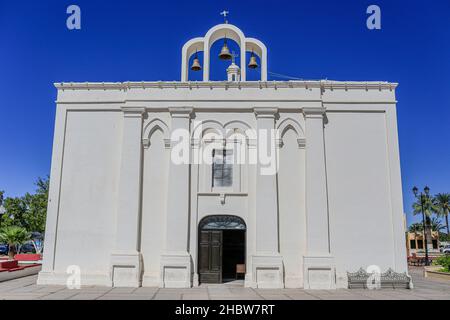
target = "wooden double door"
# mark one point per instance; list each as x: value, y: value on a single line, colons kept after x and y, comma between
x: 210, y: 256
x: 220, y: 251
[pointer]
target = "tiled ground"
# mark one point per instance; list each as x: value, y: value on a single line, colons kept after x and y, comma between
x: 26, y: 288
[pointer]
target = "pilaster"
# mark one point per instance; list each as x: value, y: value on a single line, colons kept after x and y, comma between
x: 319, y: 269
x: 267, y: 263
x: 176, y: 260
x: 126, y: 260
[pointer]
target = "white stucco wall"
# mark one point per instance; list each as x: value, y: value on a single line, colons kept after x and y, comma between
x: 88, y: 191
x: 361, y: 232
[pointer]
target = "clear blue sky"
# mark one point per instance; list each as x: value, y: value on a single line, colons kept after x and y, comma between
x: 141, y: 40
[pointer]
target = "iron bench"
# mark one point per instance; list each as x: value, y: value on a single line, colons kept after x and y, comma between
x: 388, y: 279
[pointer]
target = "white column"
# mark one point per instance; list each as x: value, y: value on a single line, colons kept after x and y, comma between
x: 176, y: 261
x: 126, y: 260
x: 243, y: 61
x: 267, y: 264
x: 319, y: 271
x: 206, y: 62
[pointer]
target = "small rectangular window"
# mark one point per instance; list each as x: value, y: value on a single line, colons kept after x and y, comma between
x: 412, y: 244
x: 222, y: 170
x: 420, y: 244
x: 435, y: 244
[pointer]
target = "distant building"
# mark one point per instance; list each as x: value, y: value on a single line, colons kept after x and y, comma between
x: 415, y: 242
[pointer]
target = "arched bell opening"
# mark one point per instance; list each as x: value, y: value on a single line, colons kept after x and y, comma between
x: 218, y: 66
x: 236, y: 41
x: 221, y: 248
x: 253, y: 66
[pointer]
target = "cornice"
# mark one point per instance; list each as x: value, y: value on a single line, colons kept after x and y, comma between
x: 346, y: 85
x: 181, y: 112
x: 265, y: 112
x: 322, y: 84
x: 311, y: 112
x: 132, y: 112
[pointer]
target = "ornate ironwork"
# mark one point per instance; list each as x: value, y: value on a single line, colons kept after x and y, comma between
x: 388, y: 279
x: 360, y: 275
x: 224, y: 222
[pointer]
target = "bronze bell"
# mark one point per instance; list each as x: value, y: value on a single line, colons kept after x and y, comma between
x: 196, y: 66
x: 253, y: 64
x: 225, y: 52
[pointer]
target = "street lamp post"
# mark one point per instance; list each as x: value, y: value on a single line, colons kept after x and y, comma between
x: 422, y: 197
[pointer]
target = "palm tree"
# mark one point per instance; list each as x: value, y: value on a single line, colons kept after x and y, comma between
x: 416, y: 228
x: 429, y: 207
x: 14, y: 236
x: 443, y: 207
x: 436, y: 224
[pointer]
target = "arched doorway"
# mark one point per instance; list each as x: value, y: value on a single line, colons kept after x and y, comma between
x: 221, y: 247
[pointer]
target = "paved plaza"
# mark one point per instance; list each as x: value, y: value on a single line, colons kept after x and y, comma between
x: 26, y: 289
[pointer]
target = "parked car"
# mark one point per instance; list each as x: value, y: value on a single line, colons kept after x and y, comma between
x: 27, y: 248
x: 446, y: 249
x: 4, y: 248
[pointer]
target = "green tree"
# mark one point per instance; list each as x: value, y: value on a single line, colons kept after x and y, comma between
x: 436, y: 224
x: 29, y: 211
x: 429, y: 207
x: 14, y: 236
x: 15, y: 210
x: 416, y: 227
x: 36, y: 204
x: 443, y: 207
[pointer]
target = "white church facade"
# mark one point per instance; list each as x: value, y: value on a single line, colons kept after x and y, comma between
x: 145, y: 189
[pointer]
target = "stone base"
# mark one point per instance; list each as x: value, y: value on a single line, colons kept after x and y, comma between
x: 248, y: 282
x: 319, y: 272
x: 195, y: 280
x: 126, y: 268
x: 175, y: 271
x: 63, y: 279
x: 150, y: 280
x: 293, y: 282
x: 267, y: 271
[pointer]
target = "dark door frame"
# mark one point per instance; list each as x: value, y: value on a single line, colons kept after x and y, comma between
x: 220, y: 223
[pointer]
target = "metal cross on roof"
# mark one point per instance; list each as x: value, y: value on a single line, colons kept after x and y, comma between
x: 225, y: 13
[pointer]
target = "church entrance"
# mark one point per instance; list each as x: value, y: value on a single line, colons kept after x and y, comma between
x: 221, y: 249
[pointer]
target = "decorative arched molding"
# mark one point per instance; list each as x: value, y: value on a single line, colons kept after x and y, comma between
x: 151, y: 127
x: 216, y: 33
x: 223, y: 129
x: 202, y: 126
x: 236, y: 124
x: 222, y: 222
x: 242, y: 133
x: 291, y: 124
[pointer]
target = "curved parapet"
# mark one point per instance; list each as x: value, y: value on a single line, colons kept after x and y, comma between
x: 216, y: 33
